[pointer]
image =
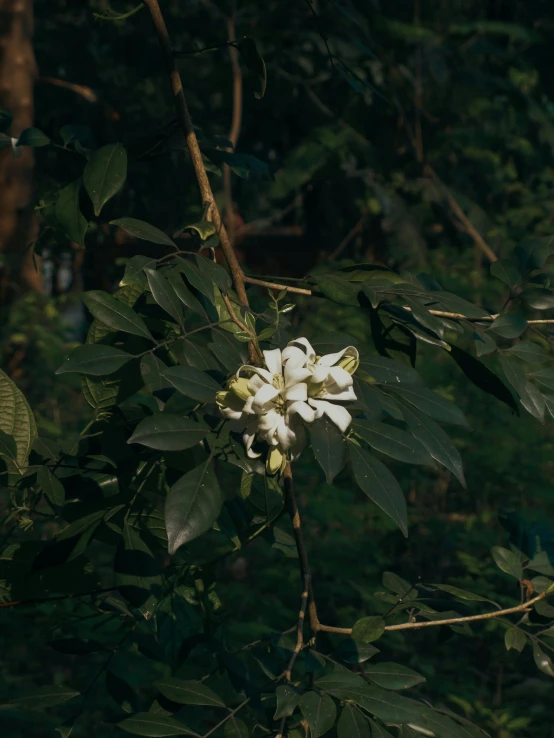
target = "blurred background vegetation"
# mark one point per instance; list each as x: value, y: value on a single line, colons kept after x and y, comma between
x: 411, y: 133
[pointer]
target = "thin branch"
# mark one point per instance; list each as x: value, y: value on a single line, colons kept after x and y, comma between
x: 299, y: 630
x: 292, y: 507
x: 185, y: 122
x: 227, y: 717
x: 275, y: 286
x: 524, y: 607
x: 113, y: 16
x: 350, y: 235
x: 240, y: 324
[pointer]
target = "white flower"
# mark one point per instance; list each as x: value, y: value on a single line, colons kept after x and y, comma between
x: 330, y: 379
x: 272, y: 403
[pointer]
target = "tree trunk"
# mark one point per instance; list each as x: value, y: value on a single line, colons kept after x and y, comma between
x: 18, y: 226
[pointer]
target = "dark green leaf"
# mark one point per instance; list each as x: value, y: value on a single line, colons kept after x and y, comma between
x: 44, y: 697
x: 185, y: 295
x: 514, y: 372
x: 461, y: 594
x: 144, y: 231
x: 319, y: 711
x: 51, y: 486
x: 543, y: 661
x: 8, y: 446
x: 435, y: 440
x: 193, y: 383
x: 368, y: 629
x: 509, y: 326
x: 287, y: 700
x: 255, y: 63
x: 388, y: 371
x: 188, y: 692
x: 337, y: 289
x: 235, y: 728
x: 68, y: 213
x: 391, y: 441
x: 379, y: 485
x: 328, y: 446
x: 533, y: 401
x: 352, y: 724
x: 515, y: 638
x: 431, y: 404
x: 95, y: 359
x: 198, y: 278
x: 353, y: 652
x: 164, y: 294
x: 105, y: 174
x: 482, y: 377
x: 154, y: 725
x: 539, y: 298
x: 530, y: 352
x: 33, y: 137
x: 396, y: 584
x: 167, y: 432
x: 508, y: 561
x: 377, y: 731
x: 392, y: 676
x: 386, y: 706
x: 214, y: 272
x: 533, y: 252
x: 484, y: 344
x: 544, y: 376
x: 114, y: 313
x: 16, y: 419
x: 506, y: 271
x: 192, y: 506
x: 244, y: 166
x: 134, y: 270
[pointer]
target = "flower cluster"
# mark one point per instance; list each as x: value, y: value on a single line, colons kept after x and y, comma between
x: 295, y: 387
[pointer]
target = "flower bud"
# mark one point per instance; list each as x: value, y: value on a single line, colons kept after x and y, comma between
x: 275, y: 461
x: 349, y: 363
x: 239, y: 387
x: 221, y: 398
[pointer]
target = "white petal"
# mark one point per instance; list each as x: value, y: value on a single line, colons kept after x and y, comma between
x: 336, y: 413
x: 293, y: 374
x: 273, y: 361
x: 341, y: 377
x: 303, y: 409
x: 332, y: 359
x: 230, y: 414
x: 255, y: 382
x: 264, y: 397
x: 248, y: 439
x: 296, y: 392
x: 247, y: 408
x: 294, y: 357
x: 307, y: 346
x: 246, y: 369
x: 319, y: 373
x: 285, y: 435
x: 318, y: 407
x: 347, y: 395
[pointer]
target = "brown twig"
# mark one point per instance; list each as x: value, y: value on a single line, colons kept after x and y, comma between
x: 240, y: 324
x: 524, y: 607
x: 276, y: 286
x: 292, y: 507
x: 185, y: 122
x: 299, y: 631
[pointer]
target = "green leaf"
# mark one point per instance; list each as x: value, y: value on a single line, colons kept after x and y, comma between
x: 204, y: 228
x: 376, y: 481
x: 530, y: 352
x: 144, y: 231
x: 386, y: 706
x: 164, y: 294
x: 337, y: 289
x: 533, y: 252
x: 462, y: 594
x: 214, y: 272
x: 8, y: 446
x: 68, y: 213
x: 255, y: 64
x: 134, y: 273
x: 508, y: 561
x: 188, y: 692
x: 185, y: 295
x: 377, y: 731
x: 115, y: 314
x: 51, y: 486
x: 198, y: 278
x: 192, y: 506
x: 95, y: 359
x: 515, y: 638
x: 393, y: 676
x: 431, y: 404
x: 53, y: 694
x: 244, y: 166
x: 353, y: 652
x: 509, y: 326
x: 235, y: 728
x: 368, y: 629
x: 319, y: 711
x: 484, y: 344
x: 154, y: 725
x: 33, y: 137
x: 192, y: 383
x: 543, y: 661
x: 513, y: 369
x: 105, y: 174
x: 533, y: 401
x: 287, y: 700
x: 396, y: 584
x: 388, y: 371
x: 167, y: 432
x: 435, y: 440
x: 544, y: 376
x: 505, y: 270
x: 328, y: 446
x: 352, y: 724
x: 539, y: 298
x: 16, y: 419
x: 391, y: 441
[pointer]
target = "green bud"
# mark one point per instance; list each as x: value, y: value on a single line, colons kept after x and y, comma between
x: 221, y: 398
x: 239, y: 387
x: 349, y: 363
x: 275, y: 461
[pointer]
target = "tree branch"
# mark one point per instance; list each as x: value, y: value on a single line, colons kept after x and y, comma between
x: 185, y: 122
x: 307, y: 586
x: 524, y: 607
x: 299, y: 630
